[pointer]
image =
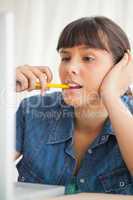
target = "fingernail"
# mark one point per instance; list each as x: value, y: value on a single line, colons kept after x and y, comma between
x: 43, y: 81
x: 129, y: 54
x: 126, y: 56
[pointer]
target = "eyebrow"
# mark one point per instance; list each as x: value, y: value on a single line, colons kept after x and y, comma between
x: 64, y: 51
x: 85, y: 47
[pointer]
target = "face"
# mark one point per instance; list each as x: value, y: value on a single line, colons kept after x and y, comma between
x: 83, y: 68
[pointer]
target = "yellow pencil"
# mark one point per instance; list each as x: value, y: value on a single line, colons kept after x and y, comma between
x: 52, y: 85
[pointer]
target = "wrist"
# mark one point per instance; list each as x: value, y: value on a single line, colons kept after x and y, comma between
x: 109, y: 97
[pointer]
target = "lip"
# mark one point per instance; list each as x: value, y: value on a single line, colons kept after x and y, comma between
x: 73, y: 84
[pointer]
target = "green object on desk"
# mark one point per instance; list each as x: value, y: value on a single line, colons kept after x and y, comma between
x: 72, y: 187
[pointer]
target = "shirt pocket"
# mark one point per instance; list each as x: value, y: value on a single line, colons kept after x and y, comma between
x: 118, y: 181
x: 27, y: 175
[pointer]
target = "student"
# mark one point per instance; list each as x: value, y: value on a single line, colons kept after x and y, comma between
x: 81, y: 137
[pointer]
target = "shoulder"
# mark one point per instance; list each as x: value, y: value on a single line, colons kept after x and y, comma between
x: 52, y: 99
x: 42, y: 103
x: 49, y: 107
x: 49, y: 114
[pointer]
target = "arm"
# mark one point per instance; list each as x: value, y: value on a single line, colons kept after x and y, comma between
x: 114, y: 85
x: 26, y: 77
x: 122, y: 122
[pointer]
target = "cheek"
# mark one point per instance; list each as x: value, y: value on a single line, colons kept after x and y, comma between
x: 89, y: 77
x: 93, y: 77
x: 61, y: 73
x: 99, y: 75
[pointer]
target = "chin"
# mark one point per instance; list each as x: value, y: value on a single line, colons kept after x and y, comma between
x: 73, y: 102
x: 79, y: 100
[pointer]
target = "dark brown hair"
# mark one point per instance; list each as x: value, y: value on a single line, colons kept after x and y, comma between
x: 96, y: 32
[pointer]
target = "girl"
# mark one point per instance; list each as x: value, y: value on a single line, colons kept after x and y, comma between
x: 82, y: 137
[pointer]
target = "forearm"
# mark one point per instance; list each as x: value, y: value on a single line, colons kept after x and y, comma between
x: 122, y: 122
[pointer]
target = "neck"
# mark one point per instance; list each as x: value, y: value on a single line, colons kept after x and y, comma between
x: 90, y: 120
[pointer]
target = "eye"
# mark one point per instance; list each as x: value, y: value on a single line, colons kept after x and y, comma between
x: 65, y: 59
x: 88, y: 58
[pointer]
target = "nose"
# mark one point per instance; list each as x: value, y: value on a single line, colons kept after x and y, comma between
x: 73, y: 69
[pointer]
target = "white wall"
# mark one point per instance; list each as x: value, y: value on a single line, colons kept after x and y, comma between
x: 39, y: 23
x: 7, y: 105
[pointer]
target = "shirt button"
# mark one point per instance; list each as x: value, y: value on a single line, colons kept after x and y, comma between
x: 103, y: 138
x: 89, y: 151
x: 82, y: 180
x: 22, y: 179
x: 122, y: 183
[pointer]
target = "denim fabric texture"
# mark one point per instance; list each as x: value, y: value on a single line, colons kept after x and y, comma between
x: 44, y: 135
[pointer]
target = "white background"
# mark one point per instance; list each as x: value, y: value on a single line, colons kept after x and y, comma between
x: 39, y: 23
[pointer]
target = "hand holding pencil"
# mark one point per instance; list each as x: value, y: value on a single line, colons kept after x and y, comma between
x: 30, y: 78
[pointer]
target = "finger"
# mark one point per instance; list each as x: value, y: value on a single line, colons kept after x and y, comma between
x: 42, y: 78
x: 47, y: 71
x: 129, y: 68
x: 123, y: 62
x: 130, y: 90
x: 21, y: 82
x: 130, y: 56
x: 30, y: 77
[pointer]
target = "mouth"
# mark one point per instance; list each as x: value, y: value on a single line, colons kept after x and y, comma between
x: 73, y: 85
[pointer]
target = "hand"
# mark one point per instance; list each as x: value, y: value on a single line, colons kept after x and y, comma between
x: 26, y: 76
x: 118, y: 79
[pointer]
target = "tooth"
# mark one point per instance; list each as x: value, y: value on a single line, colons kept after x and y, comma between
x: 73, y: 85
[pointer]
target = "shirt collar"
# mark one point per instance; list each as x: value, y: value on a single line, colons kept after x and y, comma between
x: 107, y: 129
x: 61, y: 130
x: 104, y: 135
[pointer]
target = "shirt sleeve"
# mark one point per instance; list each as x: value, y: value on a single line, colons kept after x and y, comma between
x: 20, y: 126
x: 128, y: 100
x: 130, y: 103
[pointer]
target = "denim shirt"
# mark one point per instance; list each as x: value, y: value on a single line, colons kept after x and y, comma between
x: 44, y: 135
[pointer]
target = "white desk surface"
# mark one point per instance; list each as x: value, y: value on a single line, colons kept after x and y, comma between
x: 28, y: 191
x: 93, y: 196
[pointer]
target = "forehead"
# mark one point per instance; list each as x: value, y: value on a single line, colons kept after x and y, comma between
x: 86, y: 49
x: 77, y: 47
x: 82, y: 49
